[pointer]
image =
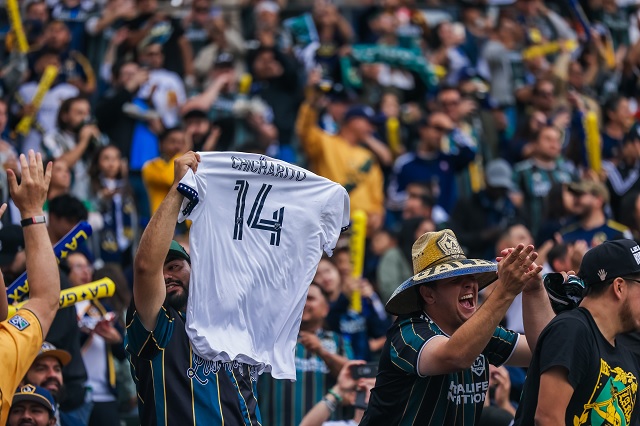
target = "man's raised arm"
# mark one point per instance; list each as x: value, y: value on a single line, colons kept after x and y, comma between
x: 149, y: 290
x: 42, y: 268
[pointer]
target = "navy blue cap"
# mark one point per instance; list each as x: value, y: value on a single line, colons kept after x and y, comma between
x: 36, y: 394
x: 609, y: 260
x: 360, y: 111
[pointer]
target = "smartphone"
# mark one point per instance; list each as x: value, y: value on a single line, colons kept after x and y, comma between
x: 360, y: 400
x: 366, y: 371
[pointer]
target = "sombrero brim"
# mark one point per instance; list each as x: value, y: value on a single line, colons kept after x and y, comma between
x: 405, y: 299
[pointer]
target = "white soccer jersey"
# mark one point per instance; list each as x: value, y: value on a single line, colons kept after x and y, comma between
x: 259, y: 228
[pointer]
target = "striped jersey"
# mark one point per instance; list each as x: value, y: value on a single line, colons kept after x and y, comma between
x: 535, y: 182
x: 403, y: 397
x: 175, y: 387
x: 283, y: 402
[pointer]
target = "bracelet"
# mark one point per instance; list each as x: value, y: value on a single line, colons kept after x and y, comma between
x: 335, y: 395
x: 330, y: 404
x: 33, y: 220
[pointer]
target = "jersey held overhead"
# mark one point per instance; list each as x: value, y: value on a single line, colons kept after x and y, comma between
x: 259, y: 228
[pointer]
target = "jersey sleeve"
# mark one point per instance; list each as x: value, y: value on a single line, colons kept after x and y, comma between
x: 20, y: 341
x: 193, y: 190
x: 501, y: 346
x: 334, y: 218
x: 566, y: 343
x: 406, y: 341
x: 144, y: 344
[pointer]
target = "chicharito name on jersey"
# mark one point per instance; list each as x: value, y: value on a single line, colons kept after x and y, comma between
x: 268, y: 168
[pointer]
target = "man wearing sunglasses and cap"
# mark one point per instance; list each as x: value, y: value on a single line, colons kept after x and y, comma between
x: 434, y: 368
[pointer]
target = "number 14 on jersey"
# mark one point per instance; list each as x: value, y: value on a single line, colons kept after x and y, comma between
x: 274, y: 225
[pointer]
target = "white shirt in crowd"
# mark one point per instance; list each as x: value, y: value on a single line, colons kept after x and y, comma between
x: 45, y: 120
x: 167, y: 97
x: 259, y: 228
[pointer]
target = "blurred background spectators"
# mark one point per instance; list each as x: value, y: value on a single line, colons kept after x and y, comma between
x: 506, y: 120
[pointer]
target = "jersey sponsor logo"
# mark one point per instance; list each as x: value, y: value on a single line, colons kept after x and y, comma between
x: 267, y: 168
x: 612, y: 400
x: 478, y: 365
x: 202, y: 368
x: 468, y: 393
x: 19, y: 322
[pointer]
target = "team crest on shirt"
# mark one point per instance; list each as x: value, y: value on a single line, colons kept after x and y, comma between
x: 19, y: 322
x: 613, y: 398
x: 478, y: 366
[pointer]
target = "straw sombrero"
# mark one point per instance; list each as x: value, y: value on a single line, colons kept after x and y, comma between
x: 437, y: 255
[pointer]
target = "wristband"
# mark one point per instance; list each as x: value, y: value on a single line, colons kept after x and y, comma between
x: 33, y: 220
x: 335, y: 395
x: 330, y: 404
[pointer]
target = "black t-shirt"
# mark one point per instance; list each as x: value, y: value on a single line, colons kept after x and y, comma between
x: 630, y: 341
x: 403, y: 397
x: 604, y: 377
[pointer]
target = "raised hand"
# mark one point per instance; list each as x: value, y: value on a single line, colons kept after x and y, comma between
x: 182, y: 164
x: 29, y: 196
x: 517, y: 269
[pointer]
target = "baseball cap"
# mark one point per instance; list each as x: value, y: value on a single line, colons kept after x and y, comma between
x: 499, y: 174
x: 224, y: 60
x: 48, y: 349
x: 360, y: 111
x: 609, y: 260
x: 36, y: 394
x: 11, y: 242
x: 590, y: 187
x: 176, y: 250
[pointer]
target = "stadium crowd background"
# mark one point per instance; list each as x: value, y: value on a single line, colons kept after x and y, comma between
x: 506, y: 121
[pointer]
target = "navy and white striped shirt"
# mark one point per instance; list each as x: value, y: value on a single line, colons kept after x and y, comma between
x: 403, y: 397
x: 176, y: 387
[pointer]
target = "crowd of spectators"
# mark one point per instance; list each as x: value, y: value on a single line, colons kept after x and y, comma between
x: 509, y: 122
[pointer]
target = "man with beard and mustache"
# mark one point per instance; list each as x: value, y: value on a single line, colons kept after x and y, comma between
x: 580, y: 372
x: 46, y: 372
x: 593, y: 226
x: 535, y: 176
x: 174, y: 386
